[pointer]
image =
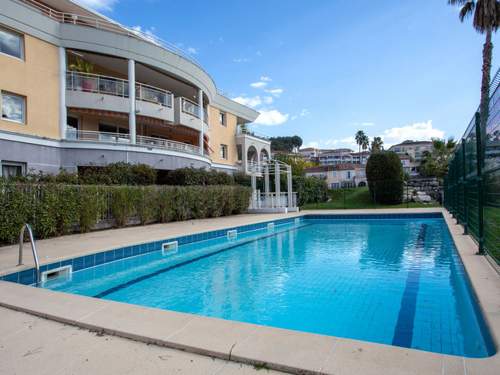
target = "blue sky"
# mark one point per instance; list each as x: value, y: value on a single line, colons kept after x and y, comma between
x: 323, y: 69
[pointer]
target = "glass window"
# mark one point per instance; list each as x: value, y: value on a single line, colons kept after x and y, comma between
x: 223, y: 151
x: 13, y: 107
x: 222, y: 118
x: 11, y: 43
x: 13, y: 169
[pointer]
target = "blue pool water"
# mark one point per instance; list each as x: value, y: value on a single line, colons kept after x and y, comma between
x: 392, y: 281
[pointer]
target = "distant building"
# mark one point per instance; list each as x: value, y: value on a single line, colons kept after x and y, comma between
x: 340, y: 175
x: 309, y: 152
x: 411, y: 154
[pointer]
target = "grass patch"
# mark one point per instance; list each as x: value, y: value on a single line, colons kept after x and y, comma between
x: 358, y: 198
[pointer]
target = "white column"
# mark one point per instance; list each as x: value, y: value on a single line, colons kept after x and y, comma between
x: 277, y: 186
x: 63, y: 115
x: 266, y: 179
x: 131, y: 97
x: 202, y: 116
x: 289, y: 183
x: 255, y: 197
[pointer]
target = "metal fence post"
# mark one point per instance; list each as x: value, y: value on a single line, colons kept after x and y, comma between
x: 480, y: 193
x: 464, y: 186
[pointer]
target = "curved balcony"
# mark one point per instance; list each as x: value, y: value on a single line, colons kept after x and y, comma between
x: 87, y: 90
x: 120, y: 138
x: 187, y: 113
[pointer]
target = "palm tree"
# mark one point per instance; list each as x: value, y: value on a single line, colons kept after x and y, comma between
x: 360, y: 134
x: 435, y: 162
x: 486, y: 21
x: 365, y: 143
x: 377, y: 144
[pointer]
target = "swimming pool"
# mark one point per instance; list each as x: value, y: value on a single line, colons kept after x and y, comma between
x: 391, y: 279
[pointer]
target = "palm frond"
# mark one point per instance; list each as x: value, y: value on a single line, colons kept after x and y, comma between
x: 487, y: 15
x: 467, y: 10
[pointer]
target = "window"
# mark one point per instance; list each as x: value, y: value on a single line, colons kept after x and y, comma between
x: 11, y: 43
x: 13, y: 169
x: 222, y: 118
x: 223, y: 151
x: 13, y: 107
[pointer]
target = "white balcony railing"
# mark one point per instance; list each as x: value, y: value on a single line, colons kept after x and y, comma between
x: 167, y: 144
x: 105, y: 137
x: 193, y: 109
x: 240, y: 130
x: 272, y: 200
x: 107, y: 25
x: 100, y: 84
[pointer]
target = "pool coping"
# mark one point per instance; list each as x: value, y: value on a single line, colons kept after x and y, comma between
x: 279, y: 349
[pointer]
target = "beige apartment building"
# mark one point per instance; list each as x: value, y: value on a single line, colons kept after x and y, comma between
x: 78, y: 89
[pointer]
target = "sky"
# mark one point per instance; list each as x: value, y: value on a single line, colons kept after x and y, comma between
x: 323, y: 69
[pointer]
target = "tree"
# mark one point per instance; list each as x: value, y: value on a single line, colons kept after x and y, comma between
x: 377, y: 144
x: 365, y: 142
x: 486, y: 19
x: 385, y: 177
x: 359, y: 137
x: 286, y: 144
x: 297, y: 162
x: 435, y: 162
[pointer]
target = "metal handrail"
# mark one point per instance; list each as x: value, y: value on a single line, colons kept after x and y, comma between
x: 33, y: 249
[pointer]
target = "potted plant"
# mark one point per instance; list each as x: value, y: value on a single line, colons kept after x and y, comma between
x: 82, y: 66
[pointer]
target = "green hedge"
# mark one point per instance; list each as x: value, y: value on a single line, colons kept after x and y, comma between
x: 55, y: 209
x: 385, y: 177
x: 196, y: 176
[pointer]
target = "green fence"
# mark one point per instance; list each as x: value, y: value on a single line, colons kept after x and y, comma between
x: 472, y: 186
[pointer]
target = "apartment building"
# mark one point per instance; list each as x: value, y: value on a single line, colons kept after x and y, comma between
x: 78, y: 89
x: 338, y: 176
x: 411, y: 154
x: 342, y: 156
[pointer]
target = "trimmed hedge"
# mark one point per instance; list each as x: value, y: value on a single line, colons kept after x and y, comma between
x: 56, y: 209
x: 196, y: 176
x: 385, y: 177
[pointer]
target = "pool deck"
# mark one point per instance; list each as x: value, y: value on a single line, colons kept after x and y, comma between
x: 278, y: 349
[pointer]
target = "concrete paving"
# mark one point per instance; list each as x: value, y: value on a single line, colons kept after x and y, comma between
x: 33, y: 345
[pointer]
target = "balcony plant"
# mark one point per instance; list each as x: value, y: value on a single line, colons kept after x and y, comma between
x: 82, y: 66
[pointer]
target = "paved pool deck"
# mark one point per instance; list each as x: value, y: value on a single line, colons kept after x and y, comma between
x: 279, y: 349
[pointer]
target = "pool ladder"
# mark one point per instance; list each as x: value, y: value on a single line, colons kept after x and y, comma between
x: 33, y: 249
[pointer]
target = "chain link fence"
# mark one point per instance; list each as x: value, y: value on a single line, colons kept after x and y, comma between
x: 472, y: 186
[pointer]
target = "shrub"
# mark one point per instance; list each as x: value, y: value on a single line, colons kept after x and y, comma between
x: 55, y: 209
x: 385, y: 177
x: 197, y: 176
x: 118, y: 174
x: 309, y: 190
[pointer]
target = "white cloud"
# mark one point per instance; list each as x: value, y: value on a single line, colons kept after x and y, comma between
x: 275, y: 92
x: 302, y: 113
x: 258, y: 53
x: 258, y: 85
x: 241, y: 60
x: 265, y: 79
x: 419, y: 131
x: 192, y: 51
x: 267, y: 100
x: 99, y: 4
x: 253, y: 101
x: 271, y: 117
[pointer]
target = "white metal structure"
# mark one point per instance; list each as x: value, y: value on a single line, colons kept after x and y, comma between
x: 267, y: 201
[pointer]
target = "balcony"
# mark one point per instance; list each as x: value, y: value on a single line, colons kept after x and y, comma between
x: 187, y: 113
x: 120, y: 138
x: 86, y: 90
